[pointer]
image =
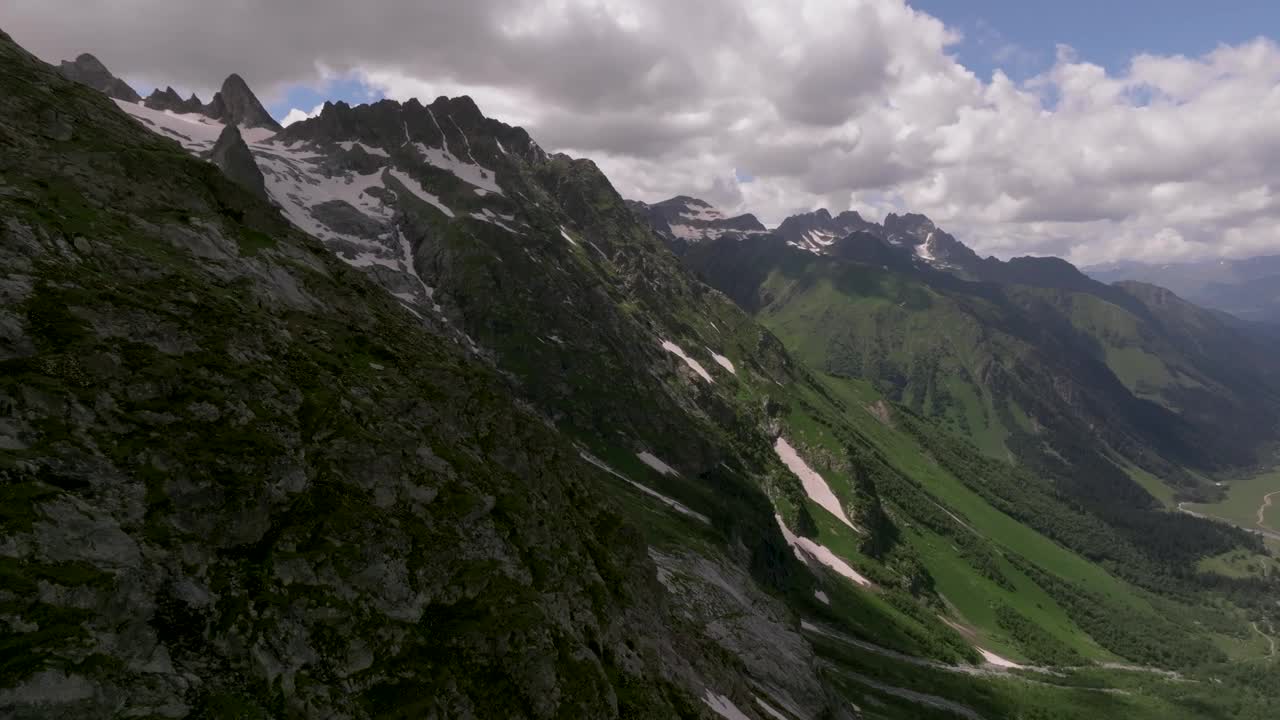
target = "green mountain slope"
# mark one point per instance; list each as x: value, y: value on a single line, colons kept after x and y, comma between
x: 1083, y: 386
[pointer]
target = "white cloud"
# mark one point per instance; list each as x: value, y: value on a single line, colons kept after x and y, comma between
x: 838, y: 103
x: 295, y: 115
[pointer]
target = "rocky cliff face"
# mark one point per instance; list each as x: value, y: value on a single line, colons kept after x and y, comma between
x: 88, y: 70
x: 231, y: 154
x: 235, y: 104
x: 169, y: 99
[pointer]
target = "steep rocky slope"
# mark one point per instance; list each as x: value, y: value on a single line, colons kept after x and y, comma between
x: 89, y: 70
x: 241, y: 480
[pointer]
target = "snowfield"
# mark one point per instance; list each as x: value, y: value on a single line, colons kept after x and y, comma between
x: 814, y: 486
x: 194, y: 131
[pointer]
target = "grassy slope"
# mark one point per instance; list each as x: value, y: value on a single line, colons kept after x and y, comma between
x: 960, y: 583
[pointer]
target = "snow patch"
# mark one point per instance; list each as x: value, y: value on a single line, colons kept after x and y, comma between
x: 721, y: 360
x: 820, y: 553
x: 493, y: 218
x: 472, y: 173
x: 362, y: 260
x: 765, y: 706
x: 565, y: 234
x: 689, y: 232
x: 652, y: 461
x: 822, y: 597
x: 996, y: 660
x: 672, y: 502
x: 679, y: 352
x: 922, y: 250
x: 348, y: 144
x: 723, y: 706
x: 701, y: 212
x: 803, y: 246
x: 416, y: 188
x: 814, y: 486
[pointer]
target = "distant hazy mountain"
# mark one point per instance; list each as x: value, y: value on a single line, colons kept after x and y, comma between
x: 1248, y: 288
x: 683, y: 220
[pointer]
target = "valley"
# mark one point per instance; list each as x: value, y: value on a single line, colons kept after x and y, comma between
x: 1247, y: 503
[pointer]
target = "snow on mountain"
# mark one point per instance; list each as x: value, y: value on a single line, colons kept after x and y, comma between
x: 349, y: 175
x: 683, y: 220
x: 817, y: 231
x: 821, y: 233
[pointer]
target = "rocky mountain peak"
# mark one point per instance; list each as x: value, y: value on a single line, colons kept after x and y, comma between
x: 452, y: 127
x: 89, y: 70
x: 235, y: 104
x: 169, y: 99
x: 910, y: 224
x: 683, y: 219
x: 88, y: 63
x: 232, y: 155
x: 814, y: 231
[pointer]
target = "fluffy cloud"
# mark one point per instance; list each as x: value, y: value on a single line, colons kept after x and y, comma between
x: 774, y: 106
x: 295, y: 115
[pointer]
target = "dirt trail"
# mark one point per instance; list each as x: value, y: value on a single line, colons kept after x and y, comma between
x: 1262, y: 509
x: 1270, y: 639
x: 1259, y: 530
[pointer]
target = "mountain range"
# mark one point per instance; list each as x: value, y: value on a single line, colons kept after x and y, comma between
x: 392, y: 413
x: 1248, y: 289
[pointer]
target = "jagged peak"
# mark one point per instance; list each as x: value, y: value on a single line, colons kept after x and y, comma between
x: 455, y: 125
x: 89, y: 70
x: 88, y: 59
x: 906, y: 221
x: 235, y: 104
x: 687, y: 200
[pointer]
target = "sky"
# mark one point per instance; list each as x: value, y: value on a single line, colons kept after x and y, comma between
x: 1095, y: 131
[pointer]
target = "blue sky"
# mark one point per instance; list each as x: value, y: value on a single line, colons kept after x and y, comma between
x: 1020, y: 35
x: 347, y: 88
